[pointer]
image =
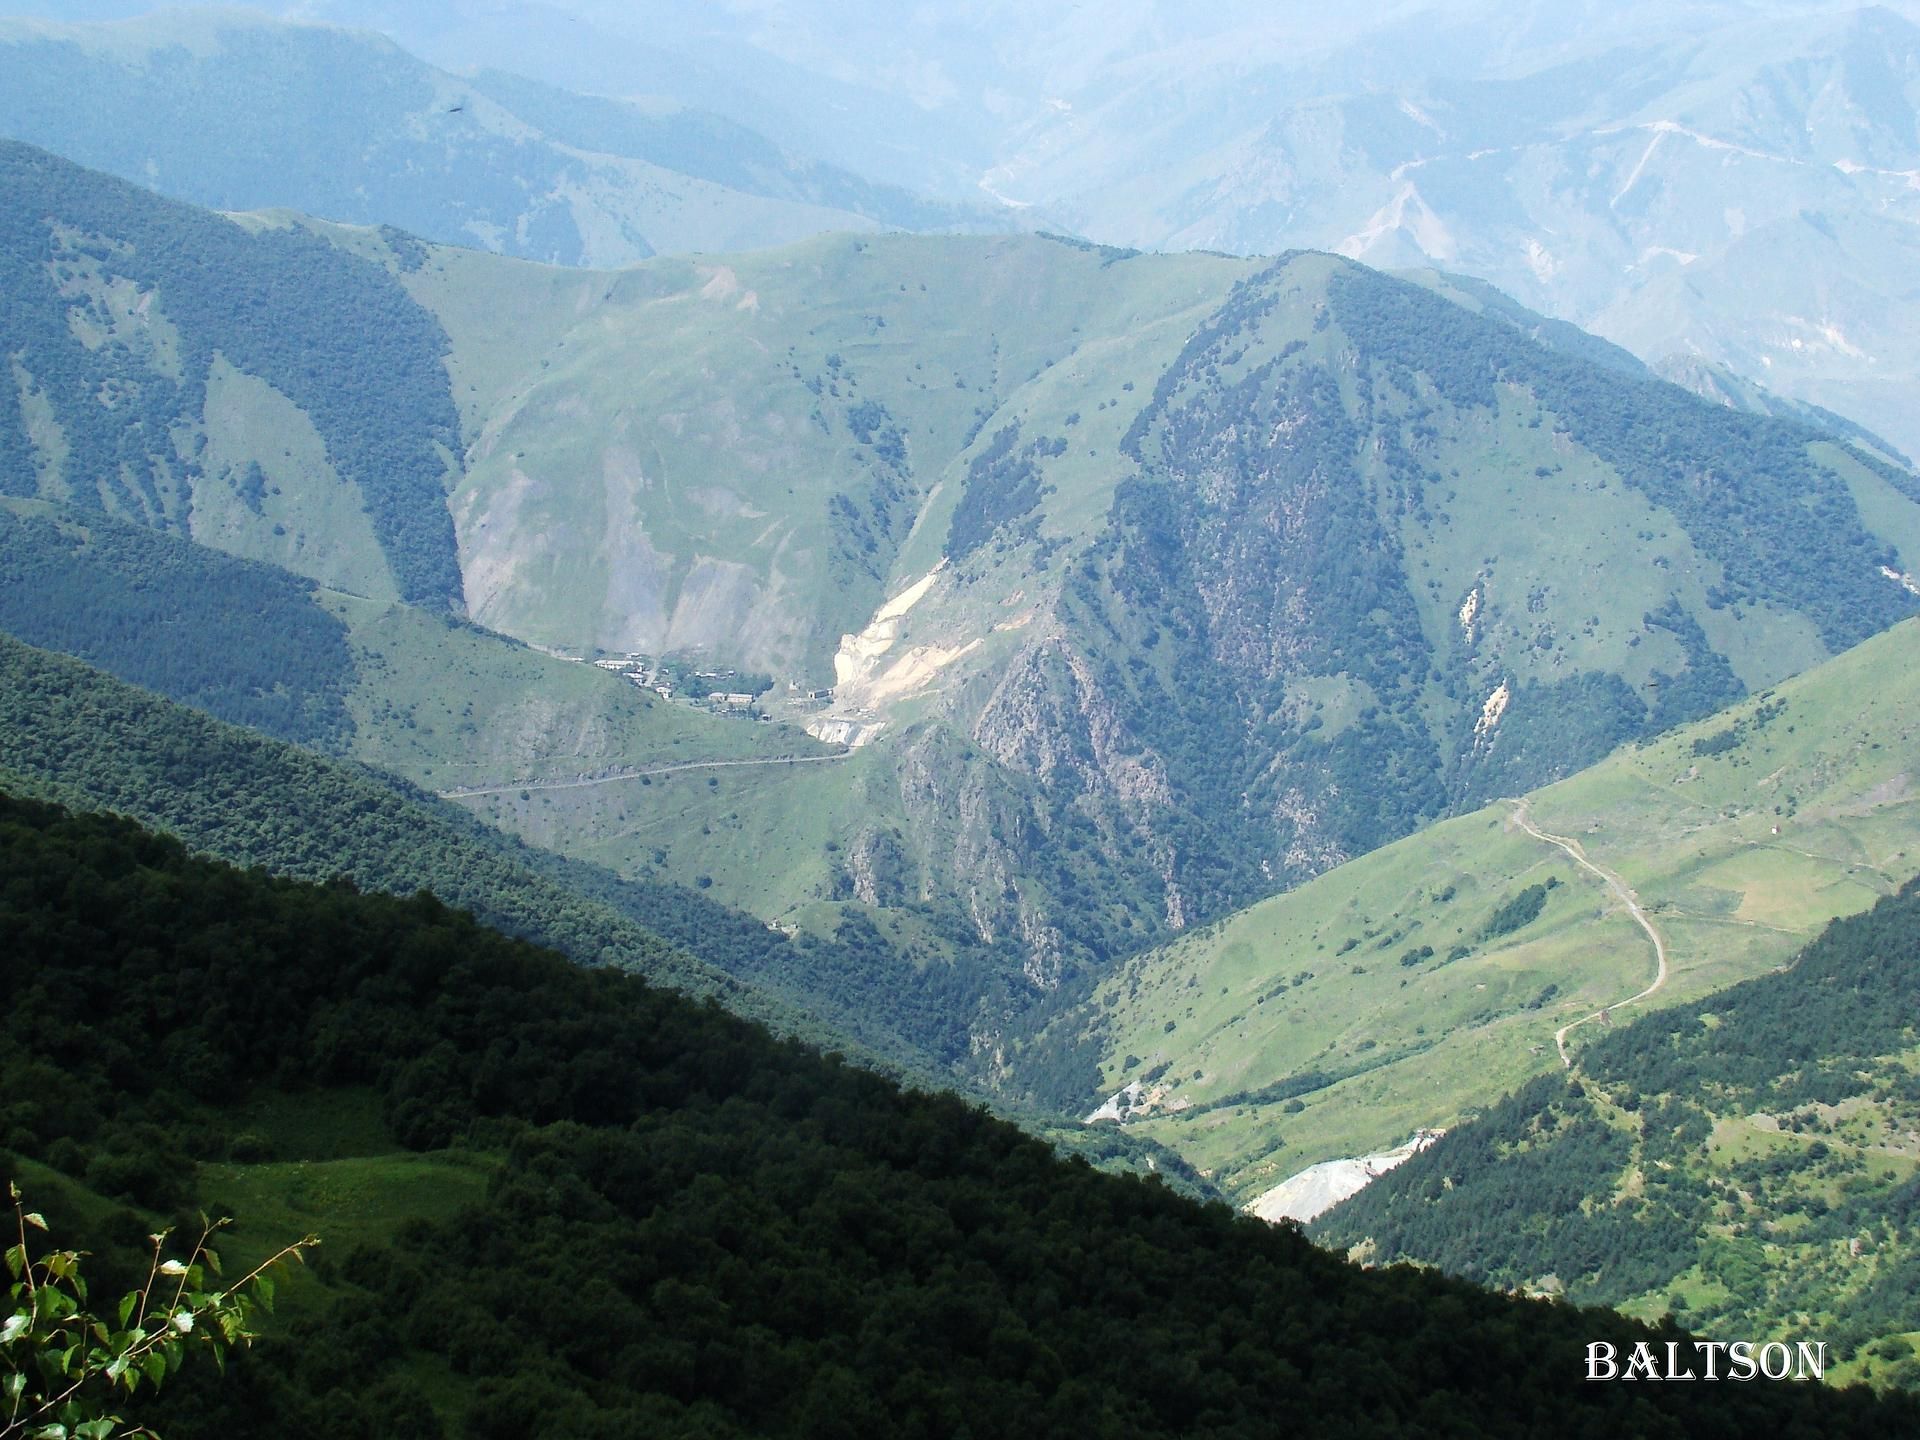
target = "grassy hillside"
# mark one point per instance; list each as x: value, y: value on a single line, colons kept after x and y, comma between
x: 416, y: 692
x: 452, y: 706
x: 1165, y: 582
x: 559, y: 1202
x: 1384, y: 997
x: 165, y: 355
x: 735, y: 453
x: 1159, y: 583
x: 1748, y: 1161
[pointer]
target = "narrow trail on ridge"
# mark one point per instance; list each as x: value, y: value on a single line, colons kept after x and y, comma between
x: 1619, y: 888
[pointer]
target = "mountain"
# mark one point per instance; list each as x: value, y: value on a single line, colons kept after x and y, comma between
x: 1342, y: 560
x: 415, y: 691
x: 285, y: 398
x: 1727, y: 181
x: 238, y: 112
x: 1717, y: 382
x: 1404, y: 991
x: 1746, y: 1160
x: 1148, y: 585
x: 703, y: 1227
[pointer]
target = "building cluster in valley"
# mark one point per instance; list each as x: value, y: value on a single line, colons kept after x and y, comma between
x: 720, y: 689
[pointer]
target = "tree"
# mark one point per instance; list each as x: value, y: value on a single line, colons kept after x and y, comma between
x: 63, y: 1368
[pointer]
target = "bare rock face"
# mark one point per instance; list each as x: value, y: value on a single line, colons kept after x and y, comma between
x: 980, y: 836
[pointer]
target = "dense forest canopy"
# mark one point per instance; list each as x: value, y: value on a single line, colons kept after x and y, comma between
x: 689, y: 1227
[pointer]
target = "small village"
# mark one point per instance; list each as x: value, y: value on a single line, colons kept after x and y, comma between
x: 718, y: 689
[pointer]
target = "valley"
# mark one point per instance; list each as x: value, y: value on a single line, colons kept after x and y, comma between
x: 800, y: 794
x: 1312, y: 1026
x: 1112, y: 669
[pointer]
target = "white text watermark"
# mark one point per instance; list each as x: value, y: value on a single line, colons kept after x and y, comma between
x: 1707, y: 1360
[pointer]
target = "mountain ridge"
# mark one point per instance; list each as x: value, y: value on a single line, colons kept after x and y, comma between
x: 452, y: 158
x: 1150, y: 584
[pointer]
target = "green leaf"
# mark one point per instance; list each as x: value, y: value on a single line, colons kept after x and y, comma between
x: 131, y: 1299
x: 264, y: 1288
x: 39, y: 1222
x: 213, y: 1260
x: 155, y: 1366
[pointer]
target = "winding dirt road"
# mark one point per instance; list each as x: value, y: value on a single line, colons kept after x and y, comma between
x: 461, y: 792
x: 1618, y: 886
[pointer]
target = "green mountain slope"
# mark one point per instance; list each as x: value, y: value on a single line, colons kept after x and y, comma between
x: 564, y: 1203
x: 441, y: 702
x: 417, y: 692
x: 1156, y: 583
x: 260, y: 388
x: 238, y: 112
x: 81, y: 737
x: 236, y: 638
x: 1406, y: 989
x: 72, y: 734
x: 1748, y: 1160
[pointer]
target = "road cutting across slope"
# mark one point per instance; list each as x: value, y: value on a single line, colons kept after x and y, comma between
x: 1614, y: 883
x: 462, y: 792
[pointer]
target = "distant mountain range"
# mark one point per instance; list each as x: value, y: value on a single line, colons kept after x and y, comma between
x: 238, y: 112
x: 1149, y: 585
x: 1728, y: 182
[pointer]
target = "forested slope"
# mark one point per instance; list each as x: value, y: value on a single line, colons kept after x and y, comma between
x: 73, y: 734
x: 685, y: 1226
x: 415, y: 690
x: 238, y: 639
x: 1749, y: 1159
x: 126, y: 308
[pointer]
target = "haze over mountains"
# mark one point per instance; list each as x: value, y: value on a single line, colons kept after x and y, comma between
x: 231, y: 110
x: 1147, y: 585
x: 1225, y: 686
x: 1726, y: 181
